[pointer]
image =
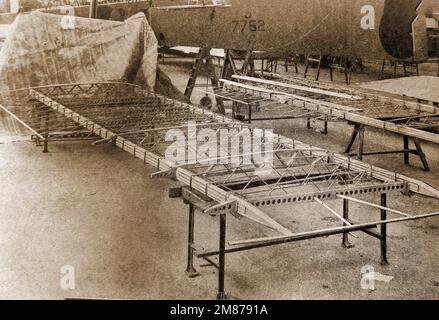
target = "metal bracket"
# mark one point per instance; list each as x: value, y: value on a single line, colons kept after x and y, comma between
x: 170, y: 174
x: 223, y: 208
x: 191, y: 197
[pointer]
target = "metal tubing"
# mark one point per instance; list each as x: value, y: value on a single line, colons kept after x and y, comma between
x: 332, y: 211
x: 352, y: 139
x: 250, y: 113
x: 45, y: 145
x: 421, y: 154
x: 311, y: 235
x: 345, y: 239
x: 383, y: 153
x: 375, y: 206
x: 190, y: 256
x: 222, y: 257
x: 360, y: 142
x: 325, y: 127
x: 383, y: 239
x: 406, y: 150
x: 46, y: 135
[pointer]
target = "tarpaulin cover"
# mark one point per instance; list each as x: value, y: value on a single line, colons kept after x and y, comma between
x: 46, y: 49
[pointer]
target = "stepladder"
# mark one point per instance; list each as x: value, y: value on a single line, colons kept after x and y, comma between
x: 205, y: 59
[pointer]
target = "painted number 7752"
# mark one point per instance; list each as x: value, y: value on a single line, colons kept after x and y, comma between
x: 248, y: 24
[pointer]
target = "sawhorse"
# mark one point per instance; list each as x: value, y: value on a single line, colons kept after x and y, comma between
x: 358, y: 132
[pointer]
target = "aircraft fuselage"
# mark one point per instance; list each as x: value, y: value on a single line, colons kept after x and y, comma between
x: 382, y: 29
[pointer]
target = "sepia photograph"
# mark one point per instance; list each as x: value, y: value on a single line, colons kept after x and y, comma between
x: 219, y: 151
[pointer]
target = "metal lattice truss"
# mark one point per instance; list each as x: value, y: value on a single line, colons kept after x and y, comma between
x: 259, y: 108
x: 44, y: 122
x: 403, y: 117
x: 139, y: 122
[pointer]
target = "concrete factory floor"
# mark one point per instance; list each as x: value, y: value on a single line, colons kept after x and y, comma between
x: 96, y: 209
